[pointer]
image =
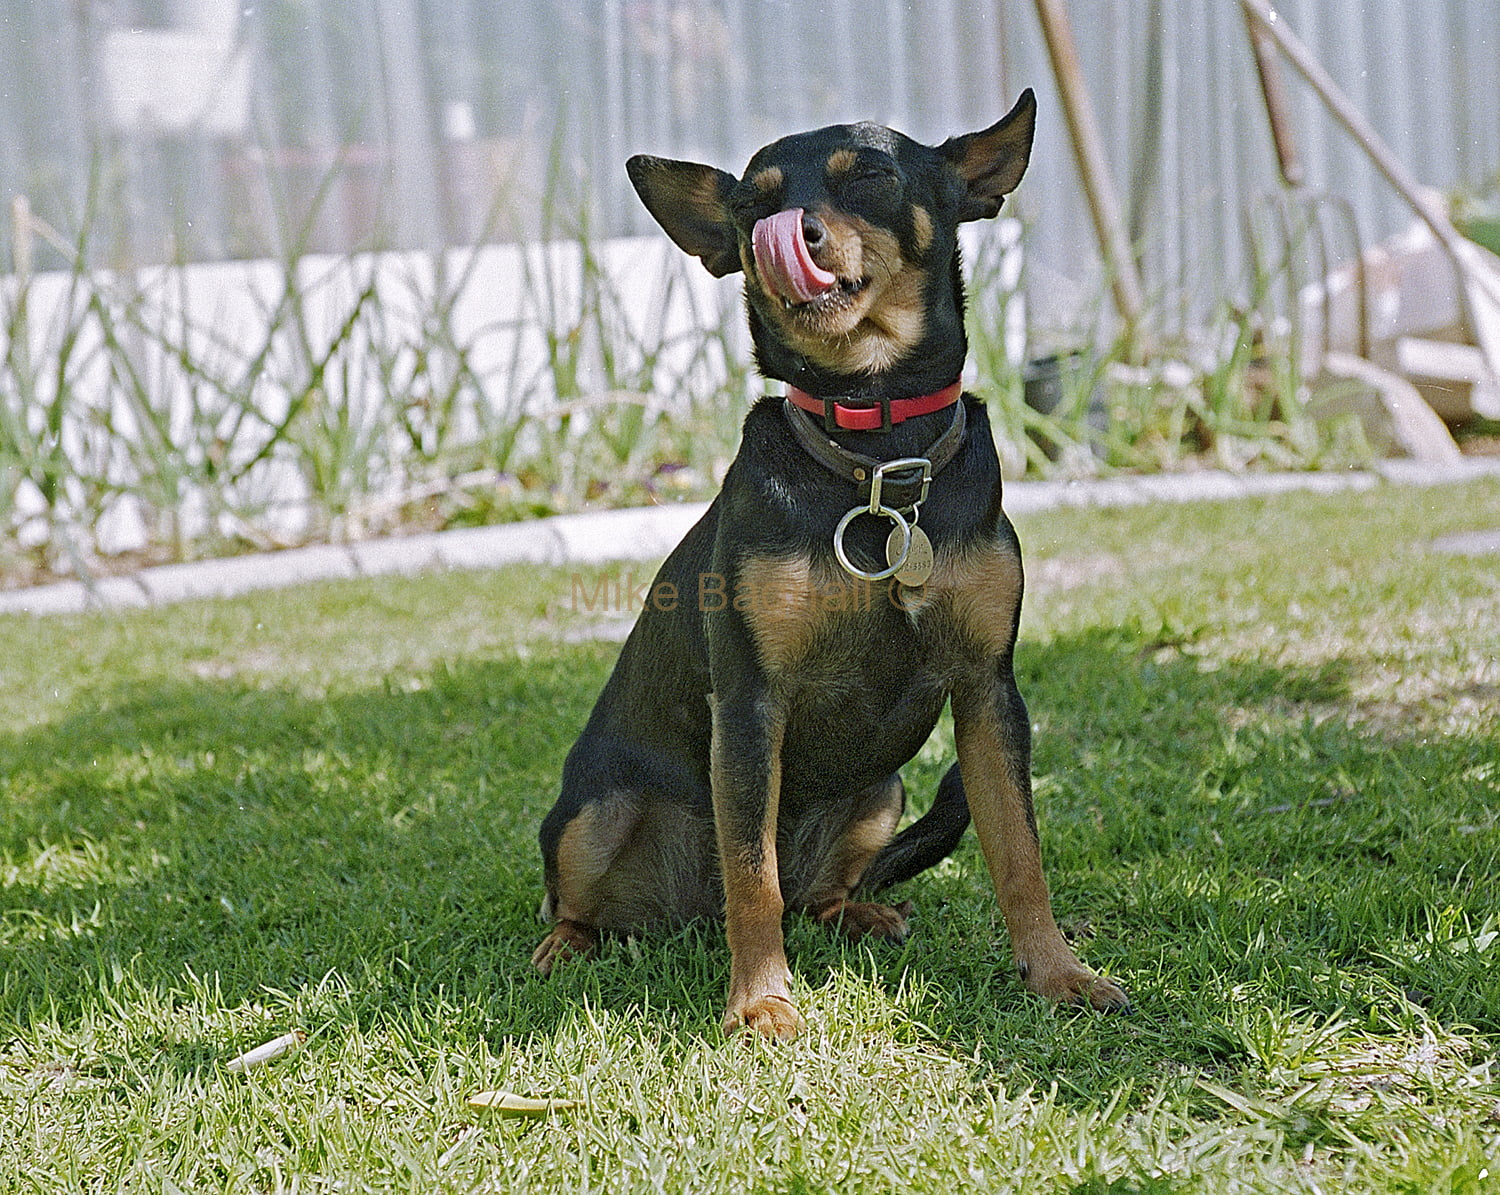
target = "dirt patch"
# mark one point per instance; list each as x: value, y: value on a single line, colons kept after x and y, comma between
x: 1069, y: 572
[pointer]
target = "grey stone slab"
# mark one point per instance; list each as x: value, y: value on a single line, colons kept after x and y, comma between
x: 651, y: 532
x: 66, y: 597
x: 75, y: 597
x: 1419, y: 473
x: 492, y: 547
x: 1031, y: 497
x: 244, y: 574
x: 406, y: 554
x: 117, y: 593
x: 641, y: 534
x: 1470, y: 543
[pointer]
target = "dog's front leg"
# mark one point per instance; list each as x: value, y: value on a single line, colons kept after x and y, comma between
x: 993, y: 736
x: 746, y: 777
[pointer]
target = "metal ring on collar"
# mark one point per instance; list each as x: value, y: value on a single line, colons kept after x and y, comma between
x: 849, y: 566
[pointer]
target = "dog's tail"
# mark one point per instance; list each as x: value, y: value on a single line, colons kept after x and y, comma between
x: 928, y: 840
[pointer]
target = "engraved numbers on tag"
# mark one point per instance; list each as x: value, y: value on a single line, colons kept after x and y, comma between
x: 917, y: 567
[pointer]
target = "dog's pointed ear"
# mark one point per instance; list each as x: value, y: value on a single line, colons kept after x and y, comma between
x: 692, y: 203
x: 992, y: 162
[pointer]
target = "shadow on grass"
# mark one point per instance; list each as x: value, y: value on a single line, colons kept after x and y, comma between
x: 1206, y: 841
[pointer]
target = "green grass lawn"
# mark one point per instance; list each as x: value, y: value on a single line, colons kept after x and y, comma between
x: 1268, y: 777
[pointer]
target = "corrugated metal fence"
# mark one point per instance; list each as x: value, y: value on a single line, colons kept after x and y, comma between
x: 212, y: 129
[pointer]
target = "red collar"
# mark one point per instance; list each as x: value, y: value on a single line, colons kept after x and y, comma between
x: 882, y: 416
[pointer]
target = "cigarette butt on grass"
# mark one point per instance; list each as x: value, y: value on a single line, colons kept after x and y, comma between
x: 269, y: 1052
x: 507, y: 1103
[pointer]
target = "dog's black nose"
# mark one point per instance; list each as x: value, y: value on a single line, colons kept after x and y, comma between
x: 813, y: 231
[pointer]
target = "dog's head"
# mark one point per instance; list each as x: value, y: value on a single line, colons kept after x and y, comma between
x: 848, y: 238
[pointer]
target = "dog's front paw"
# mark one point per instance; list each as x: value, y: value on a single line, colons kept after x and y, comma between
x: 568, y: 939
x: 770, y: 1015
x: 1070, y: 982
x: 862, y: 919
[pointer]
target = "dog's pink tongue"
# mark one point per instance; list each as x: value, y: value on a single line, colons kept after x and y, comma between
x: 784, y: 261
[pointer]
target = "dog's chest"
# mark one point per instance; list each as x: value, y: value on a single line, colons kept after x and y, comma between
x: 827, y: 639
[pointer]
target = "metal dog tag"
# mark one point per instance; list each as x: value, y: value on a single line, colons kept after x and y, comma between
x: 917, y: 566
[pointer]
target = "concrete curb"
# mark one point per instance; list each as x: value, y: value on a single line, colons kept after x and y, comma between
x: 649, y: 533
x: 1473, y: 543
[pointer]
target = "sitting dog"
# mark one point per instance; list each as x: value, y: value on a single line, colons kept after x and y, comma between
x: 855, y: 572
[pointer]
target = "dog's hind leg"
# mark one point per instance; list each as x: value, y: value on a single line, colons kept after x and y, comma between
x: 623, y: 863
x: 577, y: 864
x: 834, y: 862
x: 928, y: 840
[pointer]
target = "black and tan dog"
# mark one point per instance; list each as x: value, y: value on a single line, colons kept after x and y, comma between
x: 855, y: 573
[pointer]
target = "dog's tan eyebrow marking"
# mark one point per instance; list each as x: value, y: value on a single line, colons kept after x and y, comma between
x: 767, y: 180
x: 841, y: 161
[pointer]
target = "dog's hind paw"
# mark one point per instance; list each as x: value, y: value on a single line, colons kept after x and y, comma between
x: 770, y: 1016
x: 568, y: 939
x: 863, y: 919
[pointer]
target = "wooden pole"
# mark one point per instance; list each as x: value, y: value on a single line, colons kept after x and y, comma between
x: 22, y: 232
x: 1277, y: 108
x: 1093, y: 165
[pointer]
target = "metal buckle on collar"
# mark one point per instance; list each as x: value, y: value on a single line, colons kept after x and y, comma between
x: 906, y: 529
x: 877, y: 479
